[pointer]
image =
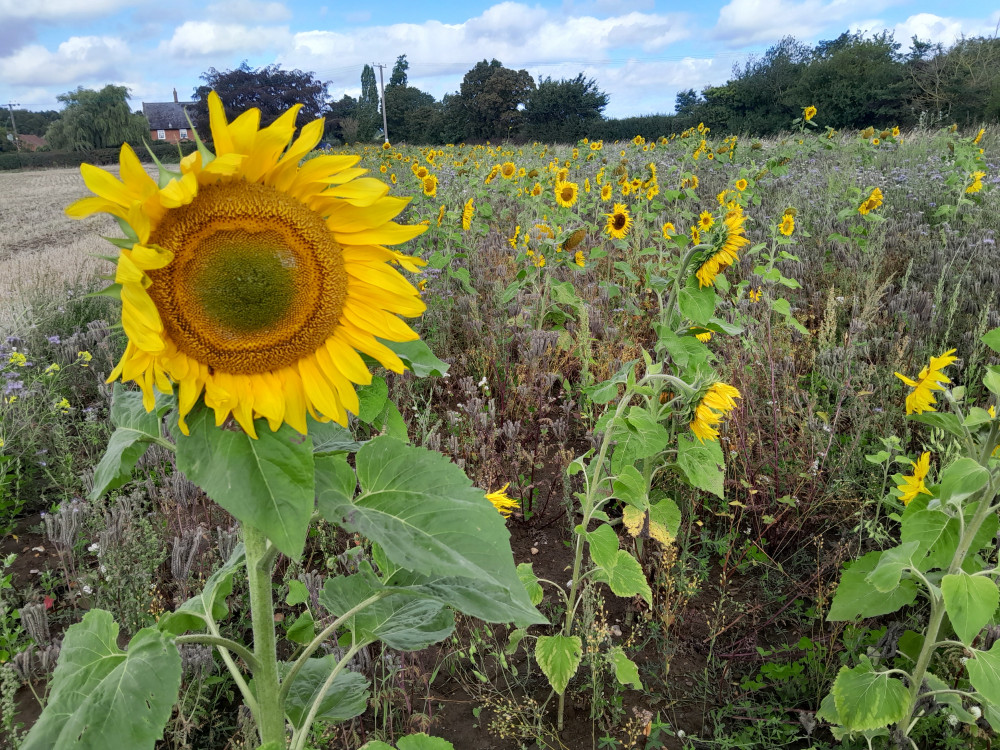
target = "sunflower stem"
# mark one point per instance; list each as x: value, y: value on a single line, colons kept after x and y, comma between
x: 270, y: 715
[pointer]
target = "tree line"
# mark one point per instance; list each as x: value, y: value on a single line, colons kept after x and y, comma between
x: 854, y: 81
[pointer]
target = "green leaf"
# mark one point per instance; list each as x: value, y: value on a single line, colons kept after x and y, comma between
x: 935, y: 532
x: 303, y: 630
x: 418, y: 357
x: 266, y: 483
x: 664, y: 512
x: 686, y: 351
x: 135, y: 430
x: 346, y: 698
x: 970, y: 602
x: 962, y: 479
x: 626, y: 671
x: 984, y: 673
x: 402, y: 622
x: 419, y: 741
x: 856, y: 597
x: 701, y: 463
x: 559, y: 657
x: 210, y: 604
x: 372, y: 398
x: 638, y: 435
x: 103, y: 697
x: 297, y: 593
x: 783, y: 307
x: 330, y: 437
x: 885, y: 576
x: 428, y: 518
x: 697, y: 302
x: 992, y: 339
x: 867, y: 699
x: 630, y: 487
x: 619, y: 569
x: 941, y: 421
x: 531, y: 584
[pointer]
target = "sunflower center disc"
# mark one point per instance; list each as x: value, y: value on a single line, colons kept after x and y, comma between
x: 257, y: 280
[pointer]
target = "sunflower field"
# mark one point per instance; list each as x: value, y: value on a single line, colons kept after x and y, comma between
x: 681, y: 443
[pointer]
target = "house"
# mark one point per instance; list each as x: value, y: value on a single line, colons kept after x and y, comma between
x: 31, y: 142
x: 167, y: 120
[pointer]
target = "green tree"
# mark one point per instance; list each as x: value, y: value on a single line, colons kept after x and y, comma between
x: 407, y: 112
x: 398, y: 77
x: 961, y: 84
x: 565, y: 110
x: 271, y: 89
x: 33, y: 123
x: 368, y: 105
x: 490, y: 99
x: 96, y: 119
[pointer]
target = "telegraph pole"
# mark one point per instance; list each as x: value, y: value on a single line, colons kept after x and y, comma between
x: 381, y: 86
x: 13, y: 125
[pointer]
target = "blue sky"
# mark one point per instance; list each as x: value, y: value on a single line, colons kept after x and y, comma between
x: 641, y: 52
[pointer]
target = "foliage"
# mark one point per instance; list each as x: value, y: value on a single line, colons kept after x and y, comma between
x: 563, y: 111
x: 96, y: 119
x: 490, y: 98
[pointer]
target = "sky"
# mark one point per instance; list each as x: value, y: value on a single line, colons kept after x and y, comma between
x: 641, y: 53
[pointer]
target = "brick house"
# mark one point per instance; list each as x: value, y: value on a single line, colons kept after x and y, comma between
x: 167, y: 121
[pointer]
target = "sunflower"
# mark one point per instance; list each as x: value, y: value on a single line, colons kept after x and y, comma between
x: 668, y: 230
x: 979, y: 136
x: 921, y: 398
x: 566, y: 193
x: 705, y: 221
x: 504, y: 505
x: 606, y: 191
x: 725, y: 253
x: 579, y: 259
x: 787, y: 225
x: 255, y: 280
x: 741, y: 184
x: 718, y: 401
x: 440, y: 214
x: 976, y: 183
x: 420, y: 172
x: 596, y: 145
x: 536, y: 190
x: 638, y: 140
x: 808, y: 113
x: 508, y: 169
x: 467, y: 212
x: 695, y: 235
x: 430, y: 184
x: 914, y: 485
x: 872, y: 202
x: 619, y: 221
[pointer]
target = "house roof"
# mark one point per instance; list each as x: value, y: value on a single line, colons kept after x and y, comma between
x: 33, y: 142
x: 166, y: 115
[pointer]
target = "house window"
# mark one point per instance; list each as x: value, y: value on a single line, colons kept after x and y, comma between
x: 184, y: 134
x: 161, y: 135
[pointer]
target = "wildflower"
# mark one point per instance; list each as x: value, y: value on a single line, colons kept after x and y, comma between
x: 420, y: 172
x: 922, y: 399
x: 875, y: 141
x: 566, y: 193
x: 703, y: 337
x: 705, y: 221
x: 787, y: 225
x: 392, y: 178
x: 741, y: 184
x: 85, y: 358
x: 18, y: 359
x: 513, y: 240
x: 386, y: 146
x: 895, y: 131
x: 430, y: 185
x: 596, y: 145
x: 726, y: 254
x: 619, y: 221
x: 467, y: 213
x: 668, y: 230
x: 53, y: 368
x: 718, y: 401
x: 257, y: 279
x: 690, y: 182
x: 586, y: 185
x: 755, y: 294
x: 421, y: 285
x: 63, y: 405
x: 638, y: 140
x: 383, y: 168
x: 914, y: 485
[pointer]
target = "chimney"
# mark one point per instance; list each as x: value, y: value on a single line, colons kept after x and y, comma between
x: 175, y: 96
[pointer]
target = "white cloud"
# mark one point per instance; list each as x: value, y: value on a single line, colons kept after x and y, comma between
x: 745, y: 22
x: 927, y: 26
x: 194, y: 39
x: 260, y: 12
x: 78, y: 59
x: 58, y: 10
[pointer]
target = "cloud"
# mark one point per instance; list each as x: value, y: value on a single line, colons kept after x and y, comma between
x: 79, y: 59
x: 14, y: 34
x: 260, y: 12
x: 927, y: 26
x: 199, y: 39
x: 58, y: 10
x: 746, y: 22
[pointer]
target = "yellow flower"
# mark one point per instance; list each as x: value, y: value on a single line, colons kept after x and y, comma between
x: 392, y: 178
x: 508, y: 169
x: 586, y: 185
x: 504, y: 505
x: 787, y: 225
x: 718, y: 401
x: 420, y: 172
x: 704, y: 337
x: 53, y: 368
x: 872, y: 202
x: 467, y: 213
x: 18, y: 359
x: 979, y: 136
x: 695, y: 235
x: 536, y: 190
x: 430, y: 184
x: 63, y: 406
x: 914, y: 485
x: 566, y: 193
x: 921, y: 398
x: 875, y: 141
x: 741, y: 184
x: 705, y: 221
x: 619, y: 221
x: 895, y: 131
x: 755, y: 294
x: 638, y: 140
x: 257, y: 277
x: 513, y: 240
x: 596, y: 145
x: 808, y: 113
x: 669, y: 230
x: 690, y: 182
x: 579, y: 259
x: 85, y: 357
x: 440, y: 215
x: 726, y: 254
x: 977, y: 182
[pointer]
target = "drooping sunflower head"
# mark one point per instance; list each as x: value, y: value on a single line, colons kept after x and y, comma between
x: 566, y: 193
x: 467, y: 212
x: 256, y: 280
x: 619, y: 221
x: 808, y: 113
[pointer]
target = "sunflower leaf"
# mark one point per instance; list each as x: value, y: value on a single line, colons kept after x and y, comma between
x: 267, y: 483
x: 135, y: 429
x: 418, y: 357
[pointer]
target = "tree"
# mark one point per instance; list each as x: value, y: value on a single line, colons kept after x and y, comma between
x: 339, y: 112
x: 368, y: 105
x: 406, y: 111
x: 565, y: 110
x: 490, y: 100
x: 33, y: 123
x: 398, y: 77
x: 96, y: 119
x: 271, y: 89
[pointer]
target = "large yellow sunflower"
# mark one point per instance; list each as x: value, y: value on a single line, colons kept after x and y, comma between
x: 256, y: 280
x: 619, y: 221
x: 566, y: 193
x: 725, y: 253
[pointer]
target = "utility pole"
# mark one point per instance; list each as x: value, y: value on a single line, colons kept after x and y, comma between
x: 381, y: 86
x: 13, y: 125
